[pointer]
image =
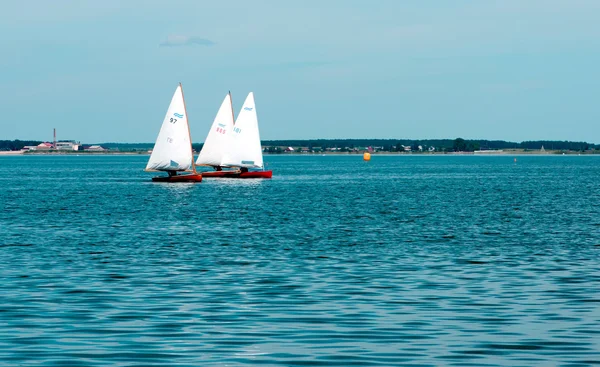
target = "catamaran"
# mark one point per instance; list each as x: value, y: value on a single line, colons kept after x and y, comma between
x: 234, y: 145
x: 172, y: 152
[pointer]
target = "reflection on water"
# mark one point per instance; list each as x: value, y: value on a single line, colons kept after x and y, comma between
x: 235, y: 182
x: 181, y: 187
x: 335, y: 261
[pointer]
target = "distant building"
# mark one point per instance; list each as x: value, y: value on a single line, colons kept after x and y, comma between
x: 289, y: 149
x: 44, y: 146
x: 95, y: 148
x: 67, y: 145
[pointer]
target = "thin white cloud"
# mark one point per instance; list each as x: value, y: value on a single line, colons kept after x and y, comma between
x: 179, y: 40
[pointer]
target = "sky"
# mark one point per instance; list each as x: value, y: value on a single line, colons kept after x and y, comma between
x: 105, y: 71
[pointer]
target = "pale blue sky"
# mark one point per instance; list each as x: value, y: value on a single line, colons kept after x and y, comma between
x: 105, y: 70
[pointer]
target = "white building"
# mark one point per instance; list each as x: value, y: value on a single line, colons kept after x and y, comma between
x: 67, y: 145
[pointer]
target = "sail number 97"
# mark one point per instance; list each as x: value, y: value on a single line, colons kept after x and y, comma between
x: 173, y: 120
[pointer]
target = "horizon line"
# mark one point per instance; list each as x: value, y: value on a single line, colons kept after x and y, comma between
x: 332, y: 139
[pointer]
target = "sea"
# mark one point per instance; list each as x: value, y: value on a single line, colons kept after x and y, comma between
x: 402, y: 260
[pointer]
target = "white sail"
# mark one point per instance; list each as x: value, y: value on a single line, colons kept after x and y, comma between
x: 172, y: 150
x: 218, y: 139
x: 245, y: 150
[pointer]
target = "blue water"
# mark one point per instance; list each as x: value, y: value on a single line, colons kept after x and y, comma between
x: 334, y: 262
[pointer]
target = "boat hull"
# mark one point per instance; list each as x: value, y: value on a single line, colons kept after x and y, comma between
x: 221, y: 174
x: 179, y: 178
x: 238, y: 174
x: 256, y: 174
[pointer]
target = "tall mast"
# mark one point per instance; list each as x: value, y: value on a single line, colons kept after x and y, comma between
x: 189, y: 132
x: 259, y: 143
x: 232, y: 114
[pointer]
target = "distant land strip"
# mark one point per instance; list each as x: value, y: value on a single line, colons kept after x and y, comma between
x: 354, y: 145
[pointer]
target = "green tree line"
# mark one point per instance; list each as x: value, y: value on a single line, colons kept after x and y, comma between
x: 16, y: 144
x: 390, y: 145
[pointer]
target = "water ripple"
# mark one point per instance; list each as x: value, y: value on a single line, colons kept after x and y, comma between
x: 428, y: 261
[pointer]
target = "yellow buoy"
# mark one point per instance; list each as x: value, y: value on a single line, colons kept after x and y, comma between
x: 367, y: 156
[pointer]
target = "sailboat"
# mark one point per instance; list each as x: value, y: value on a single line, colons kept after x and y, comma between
x: 172, y: 152
x: 240, y: 147
x: 218, y: 141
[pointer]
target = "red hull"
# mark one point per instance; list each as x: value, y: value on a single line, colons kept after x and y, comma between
x: 221, y: 174
x: 238, y: 174
x: 256, y: 174
x: 181, y: 178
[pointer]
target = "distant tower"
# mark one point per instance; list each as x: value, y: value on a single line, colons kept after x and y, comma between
x: 54, y: 138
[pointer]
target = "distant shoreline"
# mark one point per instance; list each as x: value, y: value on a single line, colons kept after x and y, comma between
x: 517, y: 152
x: 68, y: 153
x: 330, y: 146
